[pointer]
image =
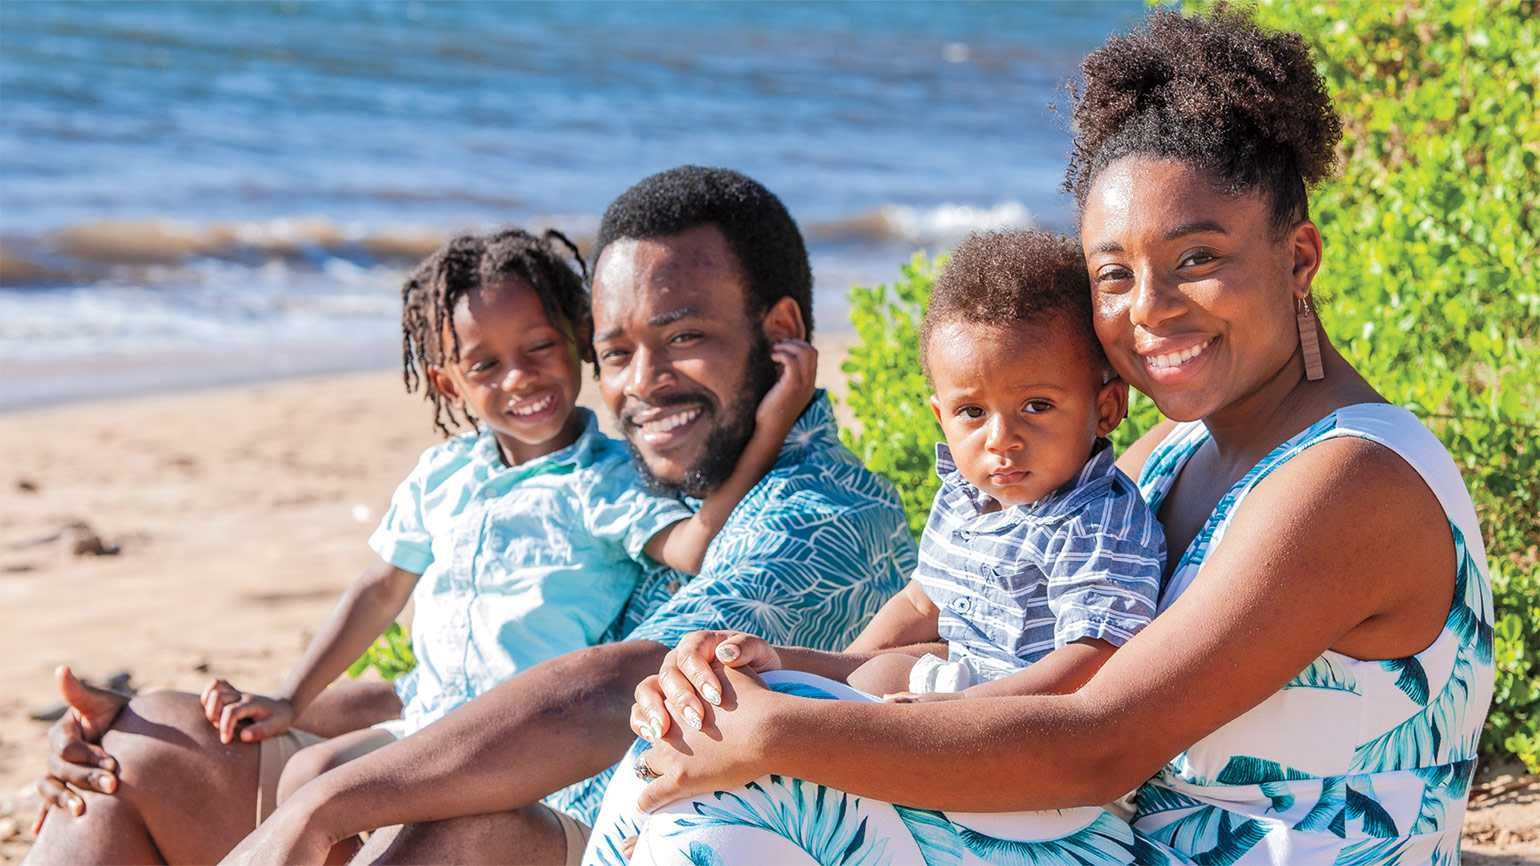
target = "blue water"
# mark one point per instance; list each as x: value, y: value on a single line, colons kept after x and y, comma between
x: 176, y: 177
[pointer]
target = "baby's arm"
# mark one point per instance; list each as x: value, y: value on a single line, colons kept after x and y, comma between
x: 1061, y: 672
x: 682, y: 546
x: 904, y: 629
x: 373, y: 602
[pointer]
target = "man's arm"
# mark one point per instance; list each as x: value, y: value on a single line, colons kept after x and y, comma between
x: 556, y: 724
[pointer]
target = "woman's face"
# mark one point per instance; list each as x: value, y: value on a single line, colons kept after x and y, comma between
x: 1193, y: 291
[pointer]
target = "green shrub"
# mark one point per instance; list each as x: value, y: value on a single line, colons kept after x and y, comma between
x: 1429, y: 286
x: 390, y: 654
x: 1430, y: 282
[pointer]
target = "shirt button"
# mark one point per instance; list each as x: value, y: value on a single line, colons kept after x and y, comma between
x: 672, y: 586
x: 962, y: 605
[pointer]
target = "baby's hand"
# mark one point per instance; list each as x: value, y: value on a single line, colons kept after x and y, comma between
x: 912, y: 698
x: 225, y: 706
x: 798, y: 361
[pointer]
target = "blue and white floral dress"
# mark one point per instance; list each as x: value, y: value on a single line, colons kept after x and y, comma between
x: 1353, y: 762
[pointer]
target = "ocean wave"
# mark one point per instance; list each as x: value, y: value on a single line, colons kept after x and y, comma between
x: 941, y: 225
x: 152, y: 250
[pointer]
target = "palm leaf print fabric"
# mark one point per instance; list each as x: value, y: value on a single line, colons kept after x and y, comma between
x: 1352, y: 762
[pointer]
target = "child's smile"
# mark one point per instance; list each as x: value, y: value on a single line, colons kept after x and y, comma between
x: 516, y: 372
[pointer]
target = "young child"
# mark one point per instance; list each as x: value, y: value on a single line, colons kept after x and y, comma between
x: 1039, y: 557
x: 519, y: 540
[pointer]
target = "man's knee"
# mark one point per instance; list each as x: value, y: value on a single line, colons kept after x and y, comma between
x: 530, y: 835
x: 156, y: 729
x: 162, y: 740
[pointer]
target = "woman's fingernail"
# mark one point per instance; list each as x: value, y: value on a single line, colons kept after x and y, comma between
x: 692, y: 718
x: 106, y: 782
x: 77, y: 806
x: 712, y: 696
x: 727, y: 652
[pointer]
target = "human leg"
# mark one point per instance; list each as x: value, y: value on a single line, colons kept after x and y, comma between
x: 312, y: 761
x: 534, y: 834
x: 173, y: 768
x: 883, y: 674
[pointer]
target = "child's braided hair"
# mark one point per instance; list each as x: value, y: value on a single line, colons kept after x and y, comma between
x: 550, y: 263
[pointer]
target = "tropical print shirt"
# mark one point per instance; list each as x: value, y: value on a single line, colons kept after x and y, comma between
x: 518, y: 564
x: 807, y: 557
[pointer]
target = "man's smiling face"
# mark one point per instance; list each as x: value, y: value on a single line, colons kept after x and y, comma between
x: 682, y: 365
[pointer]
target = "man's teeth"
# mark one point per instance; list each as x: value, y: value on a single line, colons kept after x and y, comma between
x: 1176, y: 359
x: 671, y: 422
x: 534, y: 408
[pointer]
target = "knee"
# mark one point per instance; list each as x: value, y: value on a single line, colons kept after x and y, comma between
x: 154, y: 727
x: 308, y: 763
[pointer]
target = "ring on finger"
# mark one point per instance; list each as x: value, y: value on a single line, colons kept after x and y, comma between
x: 644, y: 772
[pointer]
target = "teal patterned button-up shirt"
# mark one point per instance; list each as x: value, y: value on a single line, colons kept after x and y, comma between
x: 806, y: 559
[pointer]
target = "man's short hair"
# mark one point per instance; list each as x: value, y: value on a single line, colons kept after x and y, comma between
x: 761, y: 234
x: 1001, y: 278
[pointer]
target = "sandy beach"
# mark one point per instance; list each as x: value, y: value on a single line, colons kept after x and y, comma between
x: 177, y: 537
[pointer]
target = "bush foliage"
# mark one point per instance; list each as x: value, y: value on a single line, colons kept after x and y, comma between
x: 1429, y: 285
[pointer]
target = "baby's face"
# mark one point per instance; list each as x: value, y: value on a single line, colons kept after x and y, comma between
x: 1020, y: 405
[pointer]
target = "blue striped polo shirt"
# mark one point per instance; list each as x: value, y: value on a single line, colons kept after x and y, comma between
x: 1013, y: 585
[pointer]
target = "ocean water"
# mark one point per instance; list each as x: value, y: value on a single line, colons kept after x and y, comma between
x: 198, y: 192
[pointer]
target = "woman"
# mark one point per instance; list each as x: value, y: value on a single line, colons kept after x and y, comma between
x: 1321, y: 668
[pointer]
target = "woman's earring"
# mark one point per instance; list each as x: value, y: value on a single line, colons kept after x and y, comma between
x: 1309, y: 341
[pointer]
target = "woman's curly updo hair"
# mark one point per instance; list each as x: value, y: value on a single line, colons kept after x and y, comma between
x: 1215, y: 92
x: 549, y: 263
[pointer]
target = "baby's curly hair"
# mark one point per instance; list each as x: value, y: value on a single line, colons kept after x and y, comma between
x: 550, y: 263
x: 1001, y: 278
x: 1213, y: 91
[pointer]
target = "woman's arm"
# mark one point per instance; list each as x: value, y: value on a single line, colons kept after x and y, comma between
x: 1303, y: 568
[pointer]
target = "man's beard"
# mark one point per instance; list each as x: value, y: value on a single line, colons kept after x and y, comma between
x: 729, y: 434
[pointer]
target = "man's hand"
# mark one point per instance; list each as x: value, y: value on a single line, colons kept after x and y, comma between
x: 225, y: 707
x: 75, y: 760
x: 686, y: 677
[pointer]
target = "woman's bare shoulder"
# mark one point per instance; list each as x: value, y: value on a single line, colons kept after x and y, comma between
x: 1132, y: 460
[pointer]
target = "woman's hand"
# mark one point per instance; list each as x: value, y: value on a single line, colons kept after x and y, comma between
x: 225, y: 707
x: 727, y: 751
x: 686, y: 677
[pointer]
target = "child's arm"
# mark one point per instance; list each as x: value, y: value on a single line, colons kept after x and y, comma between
x: 373, y: 602
x: 906, y: 620
x: 682, y: 546
x: 1061, y: 672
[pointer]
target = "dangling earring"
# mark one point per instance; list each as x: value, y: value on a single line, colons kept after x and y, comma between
x: 1309, y: 342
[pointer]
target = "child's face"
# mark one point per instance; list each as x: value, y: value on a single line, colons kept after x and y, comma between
x: 1020, y: 405
x: 517, y: 372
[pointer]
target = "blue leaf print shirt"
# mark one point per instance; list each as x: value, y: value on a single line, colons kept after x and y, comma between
x: 806, y: 558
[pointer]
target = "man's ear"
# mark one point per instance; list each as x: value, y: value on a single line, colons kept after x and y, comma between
x: 783, y: 321
x: 443, y: 383
x: 1111, y: 406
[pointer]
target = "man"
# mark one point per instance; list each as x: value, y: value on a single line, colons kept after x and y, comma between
x: 698, y: 272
